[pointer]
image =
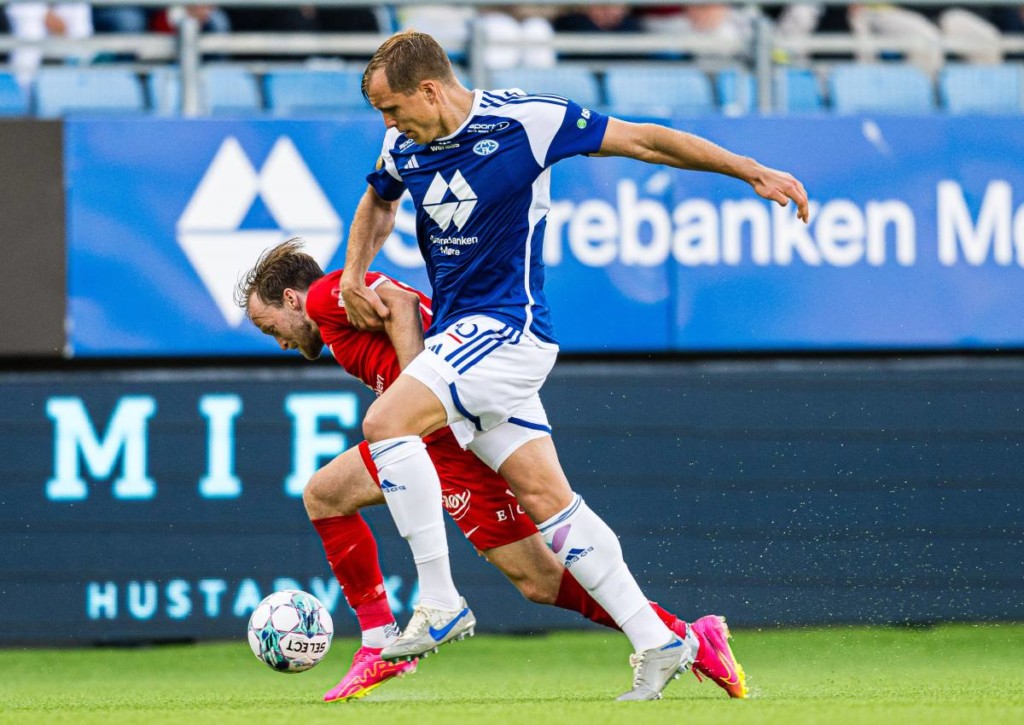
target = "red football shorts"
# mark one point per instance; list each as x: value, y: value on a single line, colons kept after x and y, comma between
x: 478, y: 499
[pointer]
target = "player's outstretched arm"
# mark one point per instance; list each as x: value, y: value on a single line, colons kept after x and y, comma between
x: 404, y: 325
x: 660, y: 145
x: 373, y: 222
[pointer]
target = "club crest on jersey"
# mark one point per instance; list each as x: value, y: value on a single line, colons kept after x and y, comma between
x: 485, y: 147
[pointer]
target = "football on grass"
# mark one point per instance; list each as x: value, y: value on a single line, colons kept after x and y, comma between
x: 290, y: 631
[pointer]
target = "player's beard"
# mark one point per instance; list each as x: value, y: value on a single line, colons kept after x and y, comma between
x: 311, y: 345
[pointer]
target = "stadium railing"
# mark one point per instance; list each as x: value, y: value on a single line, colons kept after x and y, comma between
x: 748, y: 75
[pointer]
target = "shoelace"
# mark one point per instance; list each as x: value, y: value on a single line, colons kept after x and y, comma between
x: 418, y: 620
x: 636, y: 661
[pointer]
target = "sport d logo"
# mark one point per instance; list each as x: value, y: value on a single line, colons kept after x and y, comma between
x: 208, y: 230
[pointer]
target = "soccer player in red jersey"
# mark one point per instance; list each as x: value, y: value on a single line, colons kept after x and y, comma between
x: 287, y: 296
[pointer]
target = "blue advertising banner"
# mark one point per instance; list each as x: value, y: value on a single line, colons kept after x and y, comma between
x: 916, y: 238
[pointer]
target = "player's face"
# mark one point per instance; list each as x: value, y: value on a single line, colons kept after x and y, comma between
x: 415, y: 114
x: 288, y: 325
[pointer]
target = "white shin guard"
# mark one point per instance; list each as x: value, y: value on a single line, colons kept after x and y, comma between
x: 412, y: 491
x: 591, y: 552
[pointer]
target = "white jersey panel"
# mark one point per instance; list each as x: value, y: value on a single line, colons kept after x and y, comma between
x: 386, y: 159
x: 541, y: 117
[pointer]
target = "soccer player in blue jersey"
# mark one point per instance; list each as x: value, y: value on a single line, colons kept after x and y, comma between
x: 477, y: 166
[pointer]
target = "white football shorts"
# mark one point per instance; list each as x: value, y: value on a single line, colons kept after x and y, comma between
x: 488, y: 376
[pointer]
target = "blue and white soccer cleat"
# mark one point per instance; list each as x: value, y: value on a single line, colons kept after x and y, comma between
x: 428, y: 629
x: 654, y: 668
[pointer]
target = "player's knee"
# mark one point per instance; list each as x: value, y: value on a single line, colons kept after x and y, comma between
x: 314, y: 495
x: 535, y: 591
x: 378, y: 425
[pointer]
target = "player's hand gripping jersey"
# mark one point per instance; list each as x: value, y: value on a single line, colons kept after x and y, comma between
x: 476, y: 498
x: 482, y: 197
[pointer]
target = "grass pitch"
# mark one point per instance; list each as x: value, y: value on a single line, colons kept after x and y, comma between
x: 949, y: 674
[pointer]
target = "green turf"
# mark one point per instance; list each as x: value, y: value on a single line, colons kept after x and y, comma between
x: 951, y: 674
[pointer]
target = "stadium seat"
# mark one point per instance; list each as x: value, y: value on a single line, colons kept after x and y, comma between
x: 297, y: 92
x: 737, y: 92
x: 797, y: 90
x: 982, y: 88
x: 228, y: 90
x: 13, y: 98
x: 880, y: 88
x: 61, y: 91
x: 164, y: 87
x: 579, y: 84
x: 659, y: 91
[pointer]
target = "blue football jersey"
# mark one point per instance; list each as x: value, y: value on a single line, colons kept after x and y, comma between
x: 482, y: 196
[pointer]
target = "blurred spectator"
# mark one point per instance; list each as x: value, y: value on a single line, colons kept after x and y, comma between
x: 5, y: 29
x: 599, y: 18
x: 35, y: 21
x: 304, y: 19
x: 211, y: 19
x: 732, y: 27
x: 120, y: 19
x: 448, y: 24
x: 1009, y: 19
x: 516, y: 36
x: 933, y: 25
x: 800, y: 20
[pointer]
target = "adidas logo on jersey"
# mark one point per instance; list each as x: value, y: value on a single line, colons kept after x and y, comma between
x: 445, y: 212
x: 413, y: 163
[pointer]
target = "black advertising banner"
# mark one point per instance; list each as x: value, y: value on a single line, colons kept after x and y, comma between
x: 164, y: 504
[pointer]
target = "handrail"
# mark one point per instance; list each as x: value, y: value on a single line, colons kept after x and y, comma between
x: 189, y: 46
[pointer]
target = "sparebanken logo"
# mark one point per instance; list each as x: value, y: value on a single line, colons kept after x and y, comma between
x: 208, y: 230
x: 445, y: 212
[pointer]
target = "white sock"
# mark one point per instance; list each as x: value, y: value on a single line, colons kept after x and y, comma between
x: 412, y: 491
x: 590, y: 550
x: 381, y: 637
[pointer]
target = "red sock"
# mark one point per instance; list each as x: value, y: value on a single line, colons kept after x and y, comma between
x: 572, y: 596
x: 352, y: 553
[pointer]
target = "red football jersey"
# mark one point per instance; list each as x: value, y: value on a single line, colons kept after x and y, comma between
x: 368, y: 356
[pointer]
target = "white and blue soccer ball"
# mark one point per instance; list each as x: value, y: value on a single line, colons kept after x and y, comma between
x: 290, y: 631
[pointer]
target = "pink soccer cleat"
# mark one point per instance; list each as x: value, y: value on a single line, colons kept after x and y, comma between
x: 715, y: 659
x: 367, y: 672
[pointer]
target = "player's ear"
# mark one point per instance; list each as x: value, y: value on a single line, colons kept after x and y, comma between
x: 429, y: 90
x: 291, y: 299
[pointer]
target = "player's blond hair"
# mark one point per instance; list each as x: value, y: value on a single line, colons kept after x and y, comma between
x: 278, y: 268
x: 408, y: 58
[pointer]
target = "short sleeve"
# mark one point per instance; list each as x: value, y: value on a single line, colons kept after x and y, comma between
x: 581, y: 132
x: 385, y: 179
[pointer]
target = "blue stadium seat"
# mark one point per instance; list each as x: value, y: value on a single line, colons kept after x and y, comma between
x: 297, y: 92
x: 880, y: 88
x: 982, y: 88
x: 164, y: 87
x: 797, y: 90
x: 13, y: 98
x: 228, y: 90
x: 737, y: 92
x: 659, y: 91
x: 61, y: 91
x: 579, y: 84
